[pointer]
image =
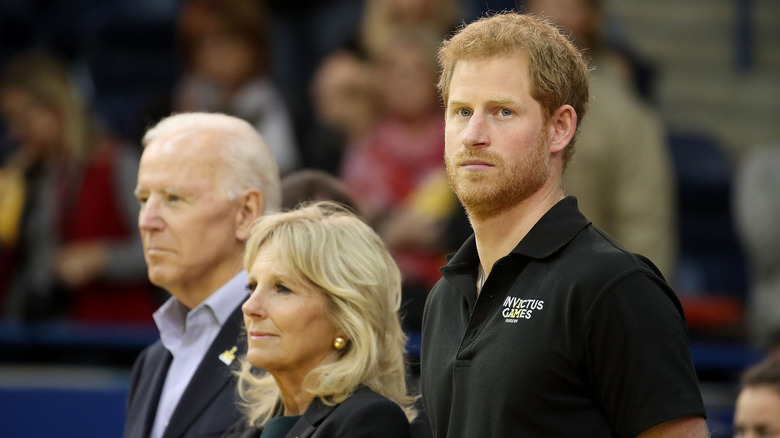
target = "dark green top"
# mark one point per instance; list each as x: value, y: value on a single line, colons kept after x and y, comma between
x: 279, y: 426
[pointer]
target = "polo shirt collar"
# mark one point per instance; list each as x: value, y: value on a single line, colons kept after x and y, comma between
x: 552, y: 232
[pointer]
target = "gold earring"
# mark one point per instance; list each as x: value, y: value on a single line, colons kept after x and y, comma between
x: 339, y: 343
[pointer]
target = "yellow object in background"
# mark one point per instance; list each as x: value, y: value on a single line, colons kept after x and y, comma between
x: 434, y: 199
x: 12, y: 195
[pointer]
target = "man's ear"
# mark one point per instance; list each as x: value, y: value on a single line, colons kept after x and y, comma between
x: 250, y: 208
x: 561, y: 127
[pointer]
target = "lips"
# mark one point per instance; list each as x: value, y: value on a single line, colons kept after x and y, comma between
x: 473, y: 162
x: 476, y: 159
x: 158, y: 250
x: 259, y: 335
x: 475, y: 165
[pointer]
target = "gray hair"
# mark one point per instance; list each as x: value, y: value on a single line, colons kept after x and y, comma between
x: 249, y: 162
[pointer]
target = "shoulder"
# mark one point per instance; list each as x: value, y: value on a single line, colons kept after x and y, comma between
x: 593, y: 268
x: 442, y: 286
x: 240, y: 429
x: 151, y: 359
x: 365, y: 398
x: 593, y: 255
x: 150, y: 354
x: 366, y: 413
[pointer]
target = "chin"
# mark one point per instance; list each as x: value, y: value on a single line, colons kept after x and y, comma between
x: 160, y: 277
x: 255, y: 358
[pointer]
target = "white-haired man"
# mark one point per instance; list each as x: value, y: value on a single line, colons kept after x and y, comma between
x: 202, y: 180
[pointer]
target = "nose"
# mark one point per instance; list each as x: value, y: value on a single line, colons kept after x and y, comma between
x: 253, y: 306
x: 475, y: 134
x: 150, y: 217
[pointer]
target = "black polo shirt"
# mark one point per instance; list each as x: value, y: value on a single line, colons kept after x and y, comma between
x: 571, y: 336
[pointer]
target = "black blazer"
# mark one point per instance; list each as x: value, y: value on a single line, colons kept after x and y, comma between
x: 365, y: 414
x: 208, y: 405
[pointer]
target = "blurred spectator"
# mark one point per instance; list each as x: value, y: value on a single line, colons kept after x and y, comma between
x: 396, y: 173
x: 303, y: 34
x: 406, y: 144
x: 757, y: 411
x: 70, y: 236
x: 225, y: 54
x: 385, y: 19
x: 621, y: 172
x: 757, y: 209
x: 307, y: 185
x: 346, y: 107
x: 340, y: 99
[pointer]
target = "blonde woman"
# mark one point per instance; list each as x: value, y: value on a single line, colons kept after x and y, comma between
x: 322, y: 321
x: 70, y: 236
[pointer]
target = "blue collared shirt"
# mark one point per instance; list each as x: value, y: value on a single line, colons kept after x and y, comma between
x: 188, y: 334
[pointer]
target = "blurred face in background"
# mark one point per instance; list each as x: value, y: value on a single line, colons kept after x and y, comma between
x: 757, y: 412
x: 413, y: 11
x: 223, y: 40
x: 35, y: 125
x: 225, y: 58
x: 344, y: 94
x: 408, y: 81
x: 580, y: 17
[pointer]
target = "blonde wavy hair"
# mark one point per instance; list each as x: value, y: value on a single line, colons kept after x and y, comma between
x: 558, y: 71
x: 335, y: 251
x: 45, y: 77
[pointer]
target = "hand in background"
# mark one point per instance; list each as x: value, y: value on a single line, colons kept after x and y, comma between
x: 80, y: 263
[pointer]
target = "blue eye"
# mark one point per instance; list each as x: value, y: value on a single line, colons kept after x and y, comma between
x: 464, y: 112
x: 505, y: 112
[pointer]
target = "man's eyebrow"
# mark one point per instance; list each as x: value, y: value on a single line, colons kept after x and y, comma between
x: 504, y: 101
x: 498, y: 101
x: 166, y: 190
x: 455, y: 102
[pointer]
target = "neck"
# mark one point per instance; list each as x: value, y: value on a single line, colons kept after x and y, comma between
x: 497, y: 236
x: 295, y: 399
x: 194, y: 292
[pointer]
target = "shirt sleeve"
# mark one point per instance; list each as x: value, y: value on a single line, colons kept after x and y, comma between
x: 637, y: 355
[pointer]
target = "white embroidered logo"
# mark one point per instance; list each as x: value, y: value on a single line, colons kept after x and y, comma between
x: 516, y: 309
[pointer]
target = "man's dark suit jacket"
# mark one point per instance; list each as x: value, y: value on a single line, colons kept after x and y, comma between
x: 364, y: 414
x: 208, y: 405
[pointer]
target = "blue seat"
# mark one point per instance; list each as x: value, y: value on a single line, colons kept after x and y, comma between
x: 711, y: 259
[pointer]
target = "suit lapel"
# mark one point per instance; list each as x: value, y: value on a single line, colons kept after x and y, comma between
x: 211, y: 376
x: 155, y: 366
x: 313, y: 416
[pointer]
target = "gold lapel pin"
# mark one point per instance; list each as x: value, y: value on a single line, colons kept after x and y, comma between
x: 228, y: 356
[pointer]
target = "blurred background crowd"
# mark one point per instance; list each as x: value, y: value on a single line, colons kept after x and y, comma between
x: 679, y: 157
